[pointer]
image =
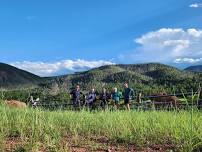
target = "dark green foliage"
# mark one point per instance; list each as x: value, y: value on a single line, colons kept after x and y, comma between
x: 21, y: 95
x: 143, y: 77
x: 20, y: 149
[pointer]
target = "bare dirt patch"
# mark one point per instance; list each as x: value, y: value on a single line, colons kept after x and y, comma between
x: 102, y: 144
x: 93, y: 144
x: 13, y: 143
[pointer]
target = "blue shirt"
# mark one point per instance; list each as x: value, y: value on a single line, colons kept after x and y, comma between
x: 127, y: 93
x: 91, y: 97
x: 76, y: 94
x: 116, y: 96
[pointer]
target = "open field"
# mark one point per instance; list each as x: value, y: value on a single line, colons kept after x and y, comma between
x: 38, y: 130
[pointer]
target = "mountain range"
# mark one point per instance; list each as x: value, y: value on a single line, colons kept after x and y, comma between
x: 150, y: 75
x: 196, y: 68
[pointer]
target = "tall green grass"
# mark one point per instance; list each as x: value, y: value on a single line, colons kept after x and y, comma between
x: 38, y: 128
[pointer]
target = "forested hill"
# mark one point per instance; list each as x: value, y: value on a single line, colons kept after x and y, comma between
x: 12, y: 77
x: 141, y: 76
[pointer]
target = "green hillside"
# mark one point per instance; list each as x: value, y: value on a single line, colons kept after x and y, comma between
x: 12, y: 77
x: 151, y: 76
x: 140, y: 76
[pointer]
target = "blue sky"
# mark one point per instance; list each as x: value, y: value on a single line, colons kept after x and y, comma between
x: 38, y: 35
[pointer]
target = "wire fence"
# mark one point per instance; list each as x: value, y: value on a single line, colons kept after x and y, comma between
x: 156, y: 102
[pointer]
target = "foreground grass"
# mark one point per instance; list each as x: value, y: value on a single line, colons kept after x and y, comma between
x: 49, y: 131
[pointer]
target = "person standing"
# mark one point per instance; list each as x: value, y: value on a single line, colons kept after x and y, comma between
x: 116, y: 97
x: 91, y: 98
x: 75, y: 95
x: 104, y: 98
x: 128, y: 93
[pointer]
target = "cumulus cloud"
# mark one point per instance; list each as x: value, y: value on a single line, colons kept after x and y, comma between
x: 60, y: 67
x: 195, y: 5
x: 166, y: 45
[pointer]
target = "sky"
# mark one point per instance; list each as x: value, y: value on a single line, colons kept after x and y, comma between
x: 54, y: 37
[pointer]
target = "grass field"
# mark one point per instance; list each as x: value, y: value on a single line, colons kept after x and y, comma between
x: 38, y: 130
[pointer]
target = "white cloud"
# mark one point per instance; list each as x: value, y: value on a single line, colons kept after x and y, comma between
x: 188, y: 60
x: 60, y: 67
x: 166, y: 45
x: 195, y: 5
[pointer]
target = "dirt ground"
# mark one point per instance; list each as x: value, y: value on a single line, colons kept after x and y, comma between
x: 81, y: 144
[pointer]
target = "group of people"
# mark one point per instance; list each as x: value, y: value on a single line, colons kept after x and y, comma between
x: 90, y: 98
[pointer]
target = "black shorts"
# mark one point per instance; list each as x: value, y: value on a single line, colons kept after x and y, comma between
x: 126, y: 101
